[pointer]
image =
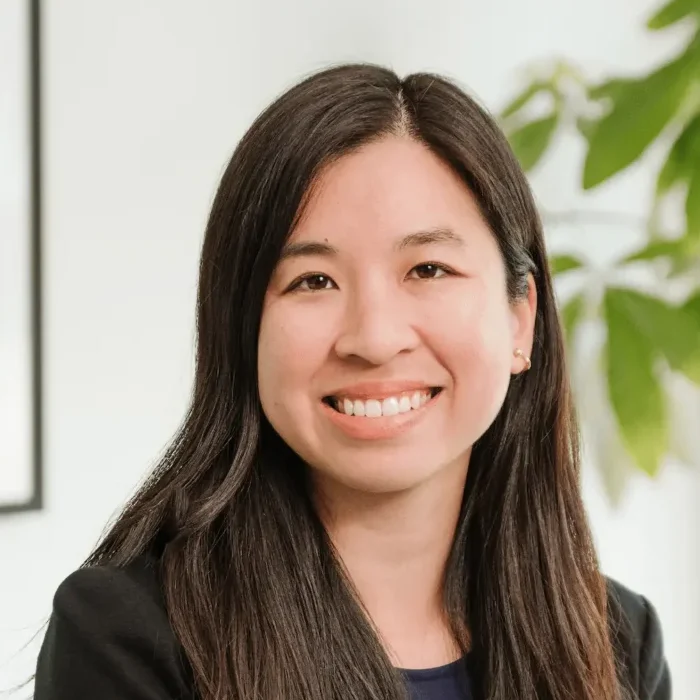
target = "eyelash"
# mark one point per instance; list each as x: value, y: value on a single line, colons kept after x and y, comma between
x: 296, y: 285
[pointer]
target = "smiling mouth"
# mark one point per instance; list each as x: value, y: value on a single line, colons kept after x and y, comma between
x: 385, y: 407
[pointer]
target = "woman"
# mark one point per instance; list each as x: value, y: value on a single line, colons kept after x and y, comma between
x: 375, y: 491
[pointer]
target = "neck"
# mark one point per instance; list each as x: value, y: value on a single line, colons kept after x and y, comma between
x: 394, y: 548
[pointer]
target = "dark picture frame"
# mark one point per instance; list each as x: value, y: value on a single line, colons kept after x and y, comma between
x: 26, y: 471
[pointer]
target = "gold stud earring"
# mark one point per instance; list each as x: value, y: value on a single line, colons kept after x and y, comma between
x: 519, y: 353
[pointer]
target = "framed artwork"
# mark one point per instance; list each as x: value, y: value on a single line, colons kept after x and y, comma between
x: 20, y: 258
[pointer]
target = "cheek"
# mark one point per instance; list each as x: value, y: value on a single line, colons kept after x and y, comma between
x: 477, y: 326
x: 289, y: 354
x: 476, y: 349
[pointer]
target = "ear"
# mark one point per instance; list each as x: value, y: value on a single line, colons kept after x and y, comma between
x: 524, y: 312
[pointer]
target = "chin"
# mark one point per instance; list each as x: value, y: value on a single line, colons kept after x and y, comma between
x: 384, y: 474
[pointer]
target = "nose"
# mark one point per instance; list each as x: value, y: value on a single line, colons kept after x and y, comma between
x: 376, y: 328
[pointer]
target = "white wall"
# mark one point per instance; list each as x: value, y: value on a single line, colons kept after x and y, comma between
x: 143, y: 104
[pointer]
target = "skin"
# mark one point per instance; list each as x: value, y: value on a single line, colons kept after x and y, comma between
x: 378, y: 313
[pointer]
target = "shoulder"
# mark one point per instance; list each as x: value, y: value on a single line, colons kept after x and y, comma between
x: 102, y: 591
x: 638, y: 640
x: 109, y: 637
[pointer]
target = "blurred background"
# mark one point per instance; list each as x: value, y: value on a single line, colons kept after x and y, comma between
x: 141, y: 106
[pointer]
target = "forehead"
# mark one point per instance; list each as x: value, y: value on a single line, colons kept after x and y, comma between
x: 388, y: 188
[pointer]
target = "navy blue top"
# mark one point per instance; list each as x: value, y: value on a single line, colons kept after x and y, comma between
x: 449, y: 682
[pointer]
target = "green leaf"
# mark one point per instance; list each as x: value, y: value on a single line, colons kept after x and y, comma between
x: 639, y: 114
x: 673, y: 12
x: 687, y: 260
x: 529, y: 142
x: 606, y: 91
x: 683, y: 156
x: 692, y: 306
x: 611, y: 89
x: 692, y: 205
x: 671, y: 330
x: 656, y: 249
x: 586, y: 127
x: 635, y: 394
x: 572, y: 313
x: 524, y: 97
x: 563, y: 263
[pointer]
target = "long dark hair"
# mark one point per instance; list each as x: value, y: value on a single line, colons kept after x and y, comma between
x: 254, y: 590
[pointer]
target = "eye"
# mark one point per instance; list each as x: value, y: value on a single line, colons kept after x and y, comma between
x: 429, y: 271
x: 315, y: 282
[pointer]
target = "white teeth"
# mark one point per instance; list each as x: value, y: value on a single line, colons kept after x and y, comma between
x: 390, y: 406
x: 373, y: 409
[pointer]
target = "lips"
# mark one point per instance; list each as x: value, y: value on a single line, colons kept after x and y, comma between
x: 381, y: 406
x: 376, y: 424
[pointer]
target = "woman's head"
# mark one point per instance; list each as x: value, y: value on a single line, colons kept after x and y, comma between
x: 373, y: 238
x: 360, y: 178
x: 389, y: 297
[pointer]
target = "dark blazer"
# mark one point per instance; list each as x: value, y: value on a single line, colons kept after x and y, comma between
x: 109, y: 638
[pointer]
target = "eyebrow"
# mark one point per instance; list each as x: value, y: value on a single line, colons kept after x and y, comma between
x: 438, y: 234
x: 415, y: 239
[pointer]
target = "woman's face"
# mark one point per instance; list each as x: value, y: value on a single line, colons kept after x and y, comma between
x: 386, y: 341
